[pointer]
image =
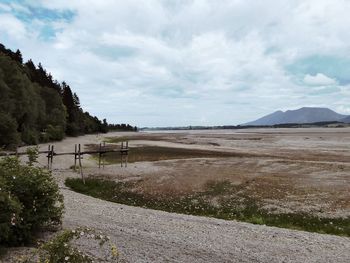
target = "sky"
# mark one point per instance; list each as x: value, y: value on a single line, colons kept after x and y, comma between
x: 188, y: 62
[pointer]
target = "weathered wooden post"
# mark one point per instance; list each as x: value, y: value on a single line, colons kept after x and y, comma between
x: 48, y: 157
x: 52, y: 153
x: 121, y: 154
x: 75, y: 157
x: 124, y: 154
x: 103, y: 155
x: 80, y: 166
x: 99, y: 157
x: 127, y: 153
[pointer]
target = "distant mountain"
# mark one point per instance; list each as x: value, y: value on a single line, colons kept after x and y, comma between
x: 302, y: 115
x: 346, y: 119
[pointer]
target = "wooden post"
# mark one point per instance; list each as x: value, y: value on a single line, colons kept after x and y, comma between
x: 121, y: 155
x: 99, y: 157
x: 48, y: 157
x: 126, y: 153
x: 75, y: 157
x: 52, y: 153
x: 80, y: 166
x: 103, y: 156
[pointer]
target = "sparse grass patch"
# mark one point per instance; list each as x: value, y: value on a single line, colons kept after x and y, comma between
x: 231, y: 205
x: 218, y: 187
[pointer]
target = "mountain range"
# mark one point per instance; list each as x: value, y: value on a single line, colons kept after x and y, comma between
x: 302, y: 115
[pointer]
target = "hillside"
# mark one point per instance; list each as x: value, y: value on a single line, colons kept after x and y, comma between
x: 302, y: 115
x: 346, y: 119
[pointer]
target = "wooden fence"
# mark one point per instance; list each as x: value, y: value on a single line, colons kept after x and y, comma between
x: 103, y: 149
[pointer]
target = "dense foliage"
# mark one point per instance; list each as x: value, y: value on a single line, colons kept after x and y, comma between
x: 29, y: 200
x: 36, y: 108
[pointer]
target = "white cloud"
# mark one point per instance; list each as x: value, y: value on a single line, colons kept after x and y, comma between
x: 20, y: 8
x: 226, y: 59
x: 12, y: 26
x: 319, y: 80
x: 4, y: 7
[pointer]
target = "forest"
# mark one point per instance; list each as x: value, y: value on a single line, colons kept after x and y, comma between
x: 35, y: 108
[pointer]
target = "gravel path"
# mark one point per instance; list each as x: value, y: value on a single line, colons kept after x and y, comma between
x: 144, y: 235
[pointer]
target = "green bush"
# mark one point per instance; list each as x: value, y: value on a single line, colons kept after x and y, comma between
x: 44, y: 137
x: 33, y: 154
x: 33, y: 201
x: 30, y: 136
x: 73, y: 129
x: 10, y: 208
x: 55, y: 132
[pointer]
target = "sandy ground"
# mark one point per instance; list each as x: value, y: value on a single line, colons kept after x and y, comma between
x: 310, y: 164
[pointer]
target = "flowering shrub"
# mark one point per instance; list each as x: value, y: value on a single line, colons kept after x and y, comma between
x: 67, y: 247
x: 29, y: 200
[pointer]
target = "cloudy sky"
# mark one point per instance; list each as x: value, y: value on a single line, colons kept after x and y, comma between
x: 171, y: 63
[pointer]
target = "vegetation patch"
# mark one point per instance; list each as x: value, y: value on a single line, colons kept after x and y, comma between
x: 29, y: 201
x: 220, y: 199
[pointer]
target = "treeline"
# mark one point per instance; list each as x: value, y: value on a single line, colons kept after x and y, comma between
x: 34, y: 107
x: 236, y: 127
x: 121, y: 127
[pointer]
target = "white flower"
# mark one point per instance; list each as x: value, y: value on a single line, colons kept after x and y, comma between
x: 13, y: 219
x: 82, y: 233
x: 66, y: 258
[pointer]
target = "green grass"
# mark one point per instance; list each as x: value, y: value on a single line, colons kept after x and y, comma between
x: 230, y: 205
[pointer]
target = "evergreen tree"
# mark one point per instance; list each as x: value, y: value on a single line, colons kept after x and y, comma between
x: 35, y: 107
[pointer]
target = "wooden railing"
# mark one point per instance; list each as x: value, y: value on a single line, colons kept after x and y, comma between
x: 78, y: 154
